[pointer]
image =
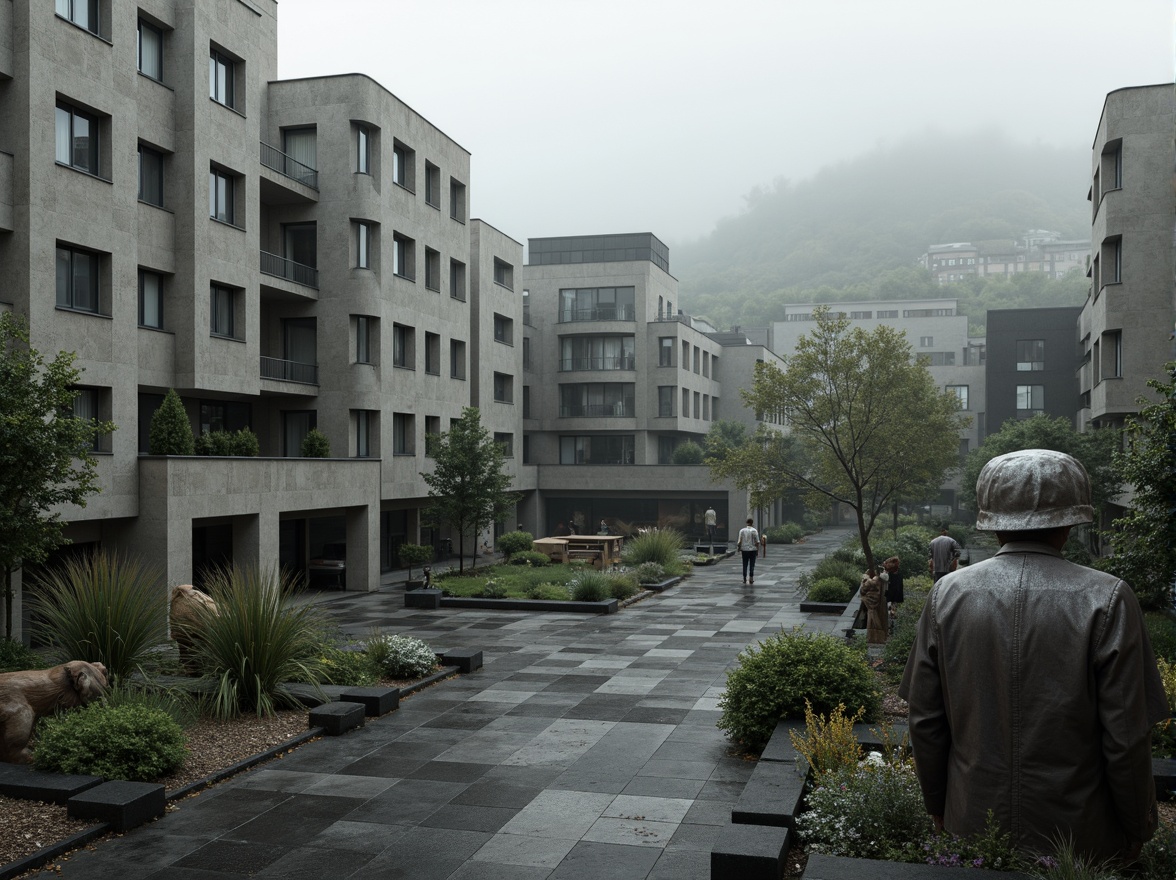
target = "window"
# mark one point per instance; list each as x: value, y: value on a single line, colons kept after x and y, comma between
x: 526, y: 449
x: 363, y: 245
x: 403, y: 256
x: 596, y: 400
x: 403, y: 339
x: 706, y: 407
x: 888, y: 313
x: 150, y: 50
x: 457, y: 359
x: 221, y: 76
x: 363, y: 430
x: 432, y: 185
x: 403, y: 434
x: 697, y: 405
x: 706, y: 364
x: 596, y: 353
x: 685, y: 355
x: 503, y: 273
x: 961, y: 393
x: 432, y: 433
x: 223, y: 415
x: 685, y: 411
x: 77, y: 279
x: 404, y: 165
x: 221, y: 196
x: 503, y: 329
x: 433, y: 353
x: 859, y: 316
x: 1111, y: 365
x: 83, y: 13
x: 596, y: 450
x: 150, y: 299
x: 457, y: 280
x: 363, y: 156
x: 665, y: 401
x: 1030, y: 355
x: 526, y: 352
x: 665, y: 449
x: 93, y: 404
x: 223, y: 311
x: 926, y: 341
x: 503, y: 388
x: 597, y: 304
x: 505, y: 442
x: 964, y: 449
x: 665, y: 351
x: 941, y: 358
x: 150, y: 176
x: 457, y: 200
x: 697, y: 359
x: 77, y: 139
x: 363, y: 339
x: 526, y: 401
x: 1030, y: 400
x: 1111, y: 165
x: 432, y: 269
x: 1112, y: 261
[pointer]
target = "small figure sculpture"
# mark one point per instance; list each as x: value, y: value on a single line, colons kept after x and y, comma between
x: 30, y: 694
x: 188, y: 607
x: 873, y: 592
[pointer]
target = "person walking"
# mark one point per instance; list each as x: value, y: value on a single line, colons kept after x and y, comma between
x: 710, y: 519
x: 749, y: 547
x: 893, y: 583
x: 944, y: 551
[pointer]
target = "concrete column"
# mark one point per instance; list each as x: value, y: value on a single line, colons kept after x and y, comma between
x: 363, y: 548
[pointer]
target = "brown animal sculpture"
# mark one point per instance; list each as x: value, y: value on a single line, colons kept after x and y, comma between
x: 188, y: 607
x: 27, y: 695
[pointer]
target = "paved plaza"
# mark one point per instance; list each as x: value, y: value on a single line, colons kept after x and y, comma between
x: 585, y: 748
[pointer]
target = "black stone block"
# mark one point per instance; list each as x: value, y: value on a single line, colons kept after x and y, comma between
x: 779, y: 747
x: 750, y: 852
x: 422, y: 599
x: 465, y: 659
x: 1164, y: 770
x: 23, y: 782
x: 376, y: 701
x: 337, y: 718
x: 124, y: 805
x: 771, y: 797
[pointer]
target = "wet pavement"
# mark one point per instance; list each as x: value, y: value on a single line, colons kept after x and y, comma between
x: 585, y: 748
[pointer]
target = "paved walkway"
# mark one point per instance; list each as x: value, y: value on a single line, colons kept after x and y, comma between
x: 586, y: 748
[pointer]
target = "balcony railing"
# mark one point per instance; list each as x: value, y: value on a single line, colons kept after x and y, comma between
x: 598, y: 313
x: 288, y: 166
x: 289, y: 371
x: 598, y: 410
x: 622, y: 362
x: 280, y: 267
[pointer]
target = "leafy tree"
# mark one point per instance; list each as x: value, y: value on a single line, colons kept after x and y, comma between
x: 414, y: 554
x: 687, y: 453
x: 315, y: 444
x: 871, y: 426
x: 45, y: 458
x: 1145, y: 539
x: 1095, y: 449
x: 171, y: 431
x: 724, y: 435
x: 467, y: 487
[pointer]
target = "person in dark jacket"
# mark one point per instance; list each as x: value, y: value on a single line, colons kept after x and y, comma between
x: 893, y: 583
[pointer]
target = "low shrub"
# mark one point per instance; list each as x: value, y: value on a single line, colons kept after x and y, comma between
x: 830, y: 590
x: 1161, y: 630
x: 1164, y: 734
x: 774, y: 679
x: 650, y: 573
x: 129, y: 742
x: 315, y: 444
x: 245, y: 443
x: 656, y: 545
x: 181, y: 705
x: 688, y: 453
x: 401, y: 656
x: 348, y: 668
x: 493, y: 590
x: 828, y: 742
x: 511, y: 543
x: 530, y: 557
x: 590, y: 586
x: 548, y: 592
x: 833, y: 568
x: 14, y: 657
x: 622, y: 586
x: 214, y: 443
x: 785, y: 533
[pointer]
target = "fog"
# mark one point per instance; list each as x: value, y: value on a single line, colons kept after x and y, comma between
x: 608, y: 116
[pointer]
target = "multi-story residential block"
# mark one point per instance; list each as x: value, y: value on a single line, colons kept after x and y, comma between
x: 1038, y: 250
x: 1031, y: 364
x: 285, y: 254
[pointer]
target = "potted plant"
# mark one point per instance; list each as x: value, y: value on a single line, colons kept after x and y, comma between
x: 414, y: 554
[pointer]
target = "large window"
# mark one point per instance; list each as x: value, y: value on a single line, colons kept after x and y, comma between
x: 150, y: 299
x: 960, y: 392
x: 83, y: 13
x: 403, y: 339
x: 665, y: 351
x: 940, y: 358
x: 363, y: 433
x: 596, y: 353
x: 77, y: 279
x: 597, y: 304
x: 457, y: 200
x: 505, y: 442
x: 403, y: 256
x: 457, y: 359
x: 503, y: 273
x: 503, y: 329
x: 363, y: 339
x: 363, y: 245
x: 77, y: 139
x: 1030, y: 355
x: 665, y: 401
x: 457, y: 280
x: 432, y: 269
x: 433, y: 353
x: 93, y: 404
x: 223, y: 308
x: 503, y: 388
x: 150, y: 176
x: 1030, y: 400
x: 404, y: 165
x: 363, y: 154
x: 432, y: 185
x: 221, y: 196
x: 596, y: 400
x: 150, y: 50
x: 403, y: 434
x: 586, y: 449
x: 221, y: 78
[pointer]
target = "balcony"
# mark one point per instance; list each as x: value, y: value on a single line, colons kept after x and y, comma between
x: 595, y: 364
x: 287, y: 166
x: 289, y: 371
x: 598, y: 313
x: 621, y: 410
x: 280, y: 267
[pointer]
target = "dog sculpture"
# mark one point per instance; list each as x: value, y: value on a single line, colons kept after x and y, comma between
x: 28, y: 695
x: 188, y: 608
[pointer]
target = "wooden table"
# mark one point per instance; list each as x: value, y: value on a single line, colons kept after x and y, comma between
x: 555, y: 549
x: 609, y: 546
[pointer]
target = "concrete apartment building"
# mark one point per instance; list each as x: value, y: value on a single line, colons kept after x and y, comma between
x: 285, y: 254
x: 1038, y: 250
x: 1032, y: 363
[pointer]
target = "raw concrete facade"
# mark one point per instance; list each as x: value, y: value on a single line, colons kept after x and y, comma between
x: 285, y: 254
x: 1031, y: 364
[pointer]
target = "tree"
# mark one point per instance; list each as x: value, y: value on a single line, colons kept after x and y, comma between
x: 1145, y: 539
x: 315, y: 444
x: 171, y: 431
x: 45, y: 459
x: 723, y: 436
x: 868, y: 425
x: 467, y: 487
x: 688, y: 452
x: 1095, y: 449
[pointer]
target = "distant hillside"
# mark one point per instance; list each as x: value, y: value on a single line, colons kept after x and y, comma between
x: 857, y: 228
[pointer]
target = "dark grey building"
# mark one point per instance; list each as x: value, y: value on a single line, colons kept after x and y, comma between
x: 1032, y: 365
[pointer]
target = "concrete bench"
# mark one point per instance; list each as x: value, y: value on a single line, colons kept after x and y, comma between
x: 749, y: 852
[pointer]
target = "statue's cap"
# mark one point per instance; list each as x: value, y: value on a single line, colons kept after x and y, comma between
x: 1032, y: 489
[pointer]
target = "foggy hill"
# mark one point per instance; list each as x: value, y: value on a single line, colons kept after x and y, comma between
x: 856, y: 229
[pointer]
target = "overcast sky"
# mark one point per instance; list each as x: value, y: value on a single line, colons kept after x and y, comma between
x: 594, y: 116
